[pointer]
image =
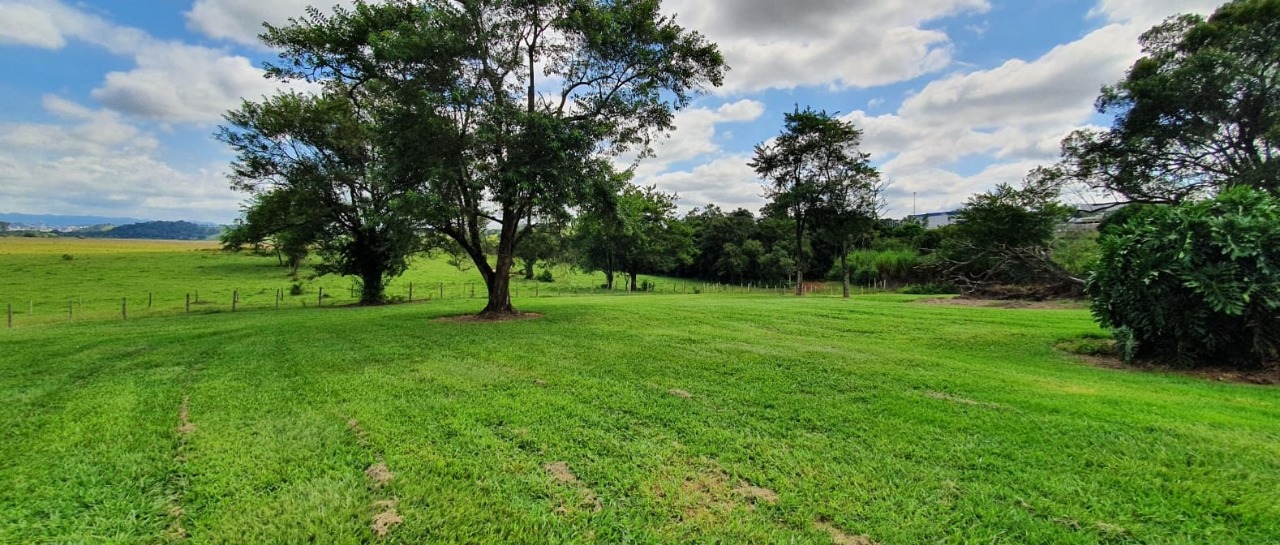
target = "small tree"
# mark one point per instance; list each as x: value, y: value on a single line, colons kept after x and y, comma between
x: 813, y: 170
x: 1195, y: 284
x: 1003, y: 236
x: 280, y: 219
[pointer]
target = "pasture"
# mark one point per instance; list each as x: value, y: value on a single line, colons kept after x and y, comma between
x: 654, y: 418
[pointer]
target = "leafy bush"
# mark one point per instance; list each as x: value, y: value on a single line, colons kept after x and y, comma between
x: 68, y: 257
x: 648, y: 286
x: 545, y: 276
x: 1194, y: 284
x: 295, y: 289
x: 875, y: 265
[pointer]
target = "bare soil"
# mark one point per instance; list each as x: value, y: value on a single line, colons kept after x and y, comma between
x: 679, y: 393
x: 477, y: 319
x: 839, y: 537
x: 961, y: 400
x: 379, y: 474
x: 1264, y: 377
x: 386, y: 518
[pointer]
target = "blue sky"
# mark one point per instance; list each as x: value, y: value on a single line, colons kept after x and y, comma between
x: 110, y: 105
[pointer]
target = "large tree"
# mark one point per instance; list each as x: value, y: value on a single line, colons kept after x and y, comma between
x: 503, y: 111
x: 637, y: 231
x: 313, y: 162
x: 1200, y: 111
x: 813, y: 169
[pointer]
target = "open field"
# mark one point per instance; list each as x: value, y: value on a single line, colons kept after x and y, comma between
x: 45, y: 287
x: 657, y: 418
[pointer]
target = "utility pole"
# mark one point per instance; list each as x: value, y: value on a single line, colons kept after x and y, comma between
x: 913, y: 203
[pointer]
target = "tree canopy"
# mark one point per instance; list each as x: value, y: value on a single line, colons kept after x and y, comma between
x: 502, y: 113
x: 1200, y: 111
x: 815, y: 171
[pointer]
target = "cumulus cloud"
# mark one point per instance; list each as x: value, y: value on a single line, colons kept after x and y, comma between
x: 24, y: 24
x: 1008, y: 119
x: 833, y: 43
x: 91, y: 161
x: 241, y: 20
x: 695, y: 138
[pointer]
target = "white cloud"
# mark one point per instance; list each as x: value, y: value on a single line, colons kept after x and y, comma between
x: 834, y: 43
x: 174, y: 82
x: 94, y: 162
x: 241, y: 20
x: 1146, y: 14
x: 24, y: 24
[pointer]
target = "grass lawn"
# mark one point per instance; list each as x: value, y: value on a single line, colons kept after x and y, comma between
x: 49, y: 281
x: 646, y: 419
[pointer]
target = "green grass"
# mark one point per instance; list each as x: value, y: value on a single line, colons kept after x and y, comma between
x: 51, y: 281
x: 903, y: 422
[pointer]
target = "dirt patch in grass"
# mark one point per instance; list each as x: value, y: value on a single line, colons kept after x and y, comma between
x: 839, y: 537
x: 1054, y: 304
x: 1268, y: 376
x: 962, y: 400
x: 379, y: 474
x: 185, y: 427
x: 756, y: 494
x: 477, y: 319
x: 679, y: 393
x: 563, y: 475
x: 385, y: 517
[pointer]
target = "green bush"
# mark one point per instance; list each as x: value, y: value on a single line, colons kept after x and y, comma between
x: 867, y: 266
x: 546, y: 276
x: 1196, y: 284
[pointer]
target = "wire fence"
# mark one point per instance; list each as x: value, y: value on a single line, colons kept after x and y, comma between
x: 269, y: 298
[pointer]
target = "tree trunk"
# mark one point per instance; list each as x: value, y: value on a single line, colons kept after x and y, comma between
x: 528, y: 270
x: 634, y: 286
x: 372, y: 291
x: 799, y: 255
x: 608, y: 279
x: 499, y: 285
x: 844, y: 267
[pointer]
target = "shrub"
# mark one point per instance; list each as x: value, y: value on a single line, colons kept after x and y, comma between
x: 295, y: 289
x: 648, y: 286
x: 1194, y: 284
x: 545, y: 276
x: 68, y: 257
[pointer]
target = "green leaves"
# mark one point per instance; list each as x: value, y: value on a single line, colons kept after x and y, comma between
x: 1198, y: 113
x: 1196, y: 283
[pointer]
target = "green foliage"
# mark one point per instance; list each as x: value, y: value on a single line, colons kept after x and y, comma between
x: 815, y: 172
x: 891, y: 265
x: 155, y: 230
x: 1076, y: 250
x: 1200, y: 111
x: 1196, y: 284
x: 546, y: 276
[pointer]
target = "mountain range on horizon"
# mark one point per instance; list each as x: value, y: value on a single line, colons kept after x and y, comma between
x: 59, y: 220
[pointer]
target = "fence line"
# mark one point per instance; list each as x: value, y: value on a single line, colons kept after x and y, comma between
x: 99, y: 309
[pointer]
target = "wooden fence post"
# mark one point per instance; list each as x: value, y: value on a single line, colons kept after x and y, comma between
x: 279, y: 295
x: 188, y: 303
x: 148, y: 300
x: 10, y: 315
x: 71, y: 311
x: 442, y: 290
x: 235, y: 298
x: 124, y: 308
x: 320, y: 297
x: 410, y: 292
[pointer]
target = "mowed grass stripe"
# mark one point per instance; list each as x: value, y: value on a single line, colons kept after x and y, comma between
x: 878, y: 416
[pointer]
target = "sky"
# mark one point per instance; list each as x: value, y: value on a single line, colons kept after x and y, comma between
x: 109, y: 106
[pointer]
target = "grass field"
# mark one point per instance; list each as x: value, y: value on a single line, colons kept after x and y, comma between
x: 51, y: 281
x: 654, y: 419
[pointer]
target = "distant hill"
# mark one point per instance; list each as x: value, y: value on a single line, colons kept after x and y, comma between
x: 53, y: 221
x: 160, y: 230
